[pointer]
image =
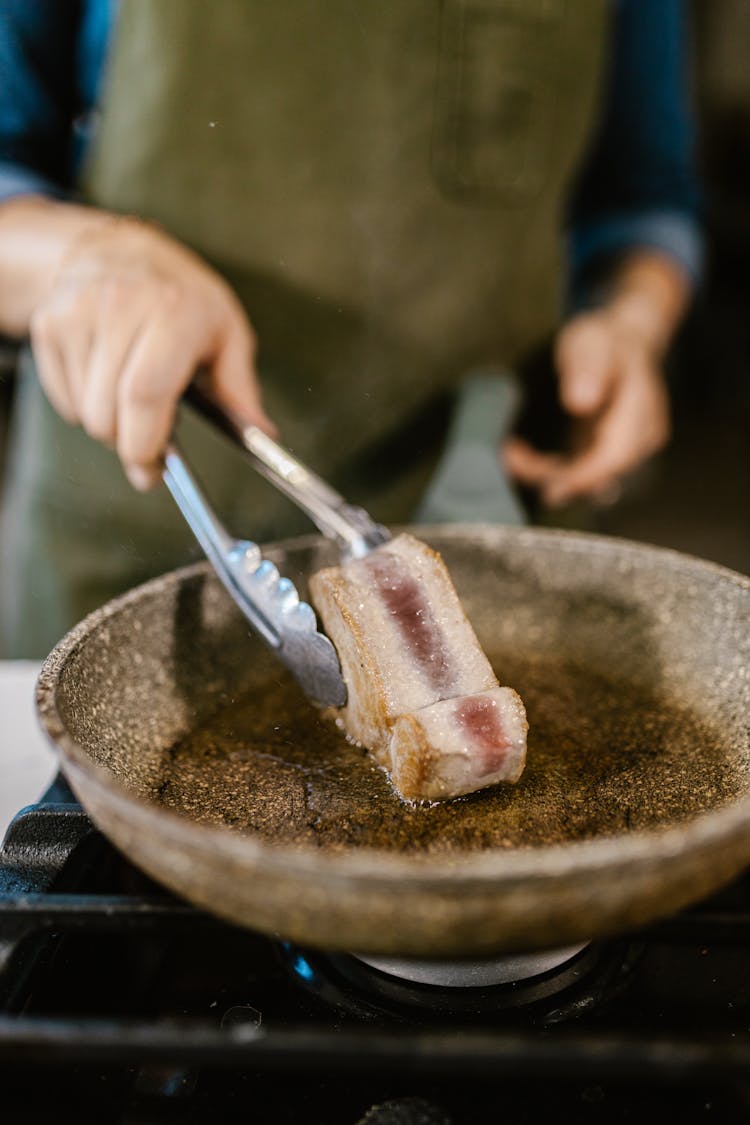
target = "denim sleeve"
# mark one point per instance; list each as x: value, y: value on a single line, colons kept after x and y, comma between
x: 39, y: 95
x: 639, y: 185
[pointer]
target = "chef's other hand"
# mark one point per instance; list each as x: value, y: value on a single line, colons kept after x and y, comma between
x: 130, y: 316
x: 613, y: 389
x: 610, y: 383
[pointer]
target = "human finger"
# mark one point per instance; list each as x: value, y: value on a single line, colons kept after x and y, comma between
x: 158, y: 369
x: 74, y: 313
x: 527, y: 465
x: 584, y: 359
x: 630, y: 430
x: 50, y: 367
x: 592, y: 471
x: 122, y: 315
x: 234, y: 378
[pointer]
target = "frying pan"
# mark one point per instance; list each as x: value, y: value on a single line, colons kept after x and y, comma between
x: 194, y: 751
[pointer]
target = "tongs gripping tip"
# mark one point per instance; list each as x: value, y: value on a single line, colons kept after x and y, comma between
x: 269, y: 601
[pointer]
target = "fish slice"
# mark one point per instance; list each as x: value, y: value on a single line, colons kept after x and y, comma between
x: 270, y: 601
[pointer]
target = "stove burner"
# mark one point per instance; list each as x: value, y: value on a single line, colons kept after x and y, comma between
x: 548, y: 987
x: 131, y: 1005
x: 473, y: 974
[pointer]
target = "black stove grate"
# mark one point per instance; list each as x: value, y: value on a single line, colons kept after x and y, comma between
x: 132, y: 1006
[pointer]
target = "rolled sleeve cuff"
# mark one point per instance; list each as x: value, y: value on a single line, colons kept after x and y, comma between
x: 17, y: 179
x: 673, y: 232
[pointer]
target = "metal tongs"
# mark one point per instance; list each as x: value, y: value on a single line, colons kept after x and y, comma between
x: 269, y: 601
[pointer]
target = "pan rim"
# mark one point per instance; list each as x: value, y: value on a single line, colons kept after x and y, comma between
x: 727, y: 825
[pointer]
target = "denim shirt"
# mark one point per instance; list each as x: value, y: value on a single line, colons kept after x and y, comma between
x: 637, y: 188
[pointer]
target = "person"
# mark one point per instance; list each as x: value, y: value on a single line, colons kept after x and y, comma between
x: 346, y: 216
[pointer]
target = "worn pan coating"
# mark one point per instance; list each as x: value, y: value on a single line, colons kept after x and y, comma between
x: 197, y: 756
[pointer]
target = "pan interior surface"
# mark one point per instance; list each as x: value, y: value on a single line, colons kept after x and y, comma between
x: 631, y: 663
x: 603, y: 758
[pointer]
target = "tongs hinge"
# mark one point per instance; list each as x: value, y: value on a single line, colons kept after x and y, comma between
x: 350, y: 527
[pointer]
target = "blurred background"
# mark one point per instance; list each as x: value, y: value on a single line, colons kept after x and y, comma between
x: 696, y: 496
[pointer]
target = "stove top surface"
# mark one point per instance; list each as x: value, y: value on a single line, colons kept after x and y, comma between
x: 127, y: 1005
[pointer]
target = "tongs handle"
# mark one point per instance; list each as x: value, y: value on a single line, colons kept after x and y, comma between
x: 352, y: 528
x: 269, y: 601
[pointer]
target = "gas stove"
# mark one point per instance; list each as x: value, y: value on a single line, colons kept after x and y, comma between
x: 122, y: 1004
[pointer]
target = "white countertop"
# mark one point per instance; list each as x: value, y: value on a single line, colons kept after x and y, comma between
x: 27, y: 763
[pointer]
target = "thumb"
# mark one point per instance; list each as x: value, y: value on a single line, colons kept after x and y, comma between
x: 584, y: 367
x: 234, y: 379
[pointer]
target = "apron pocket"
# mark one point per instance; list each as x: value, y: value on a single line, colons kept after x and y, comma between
x: 495, y: 99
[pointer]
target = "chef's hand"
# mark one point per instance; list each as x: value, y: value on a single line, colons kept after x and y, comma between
x: 610, y: 383
x: 130, y: 315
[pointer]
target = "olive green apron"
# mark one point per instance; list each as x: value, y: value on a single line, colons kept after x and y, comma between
x: 382, y: 183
